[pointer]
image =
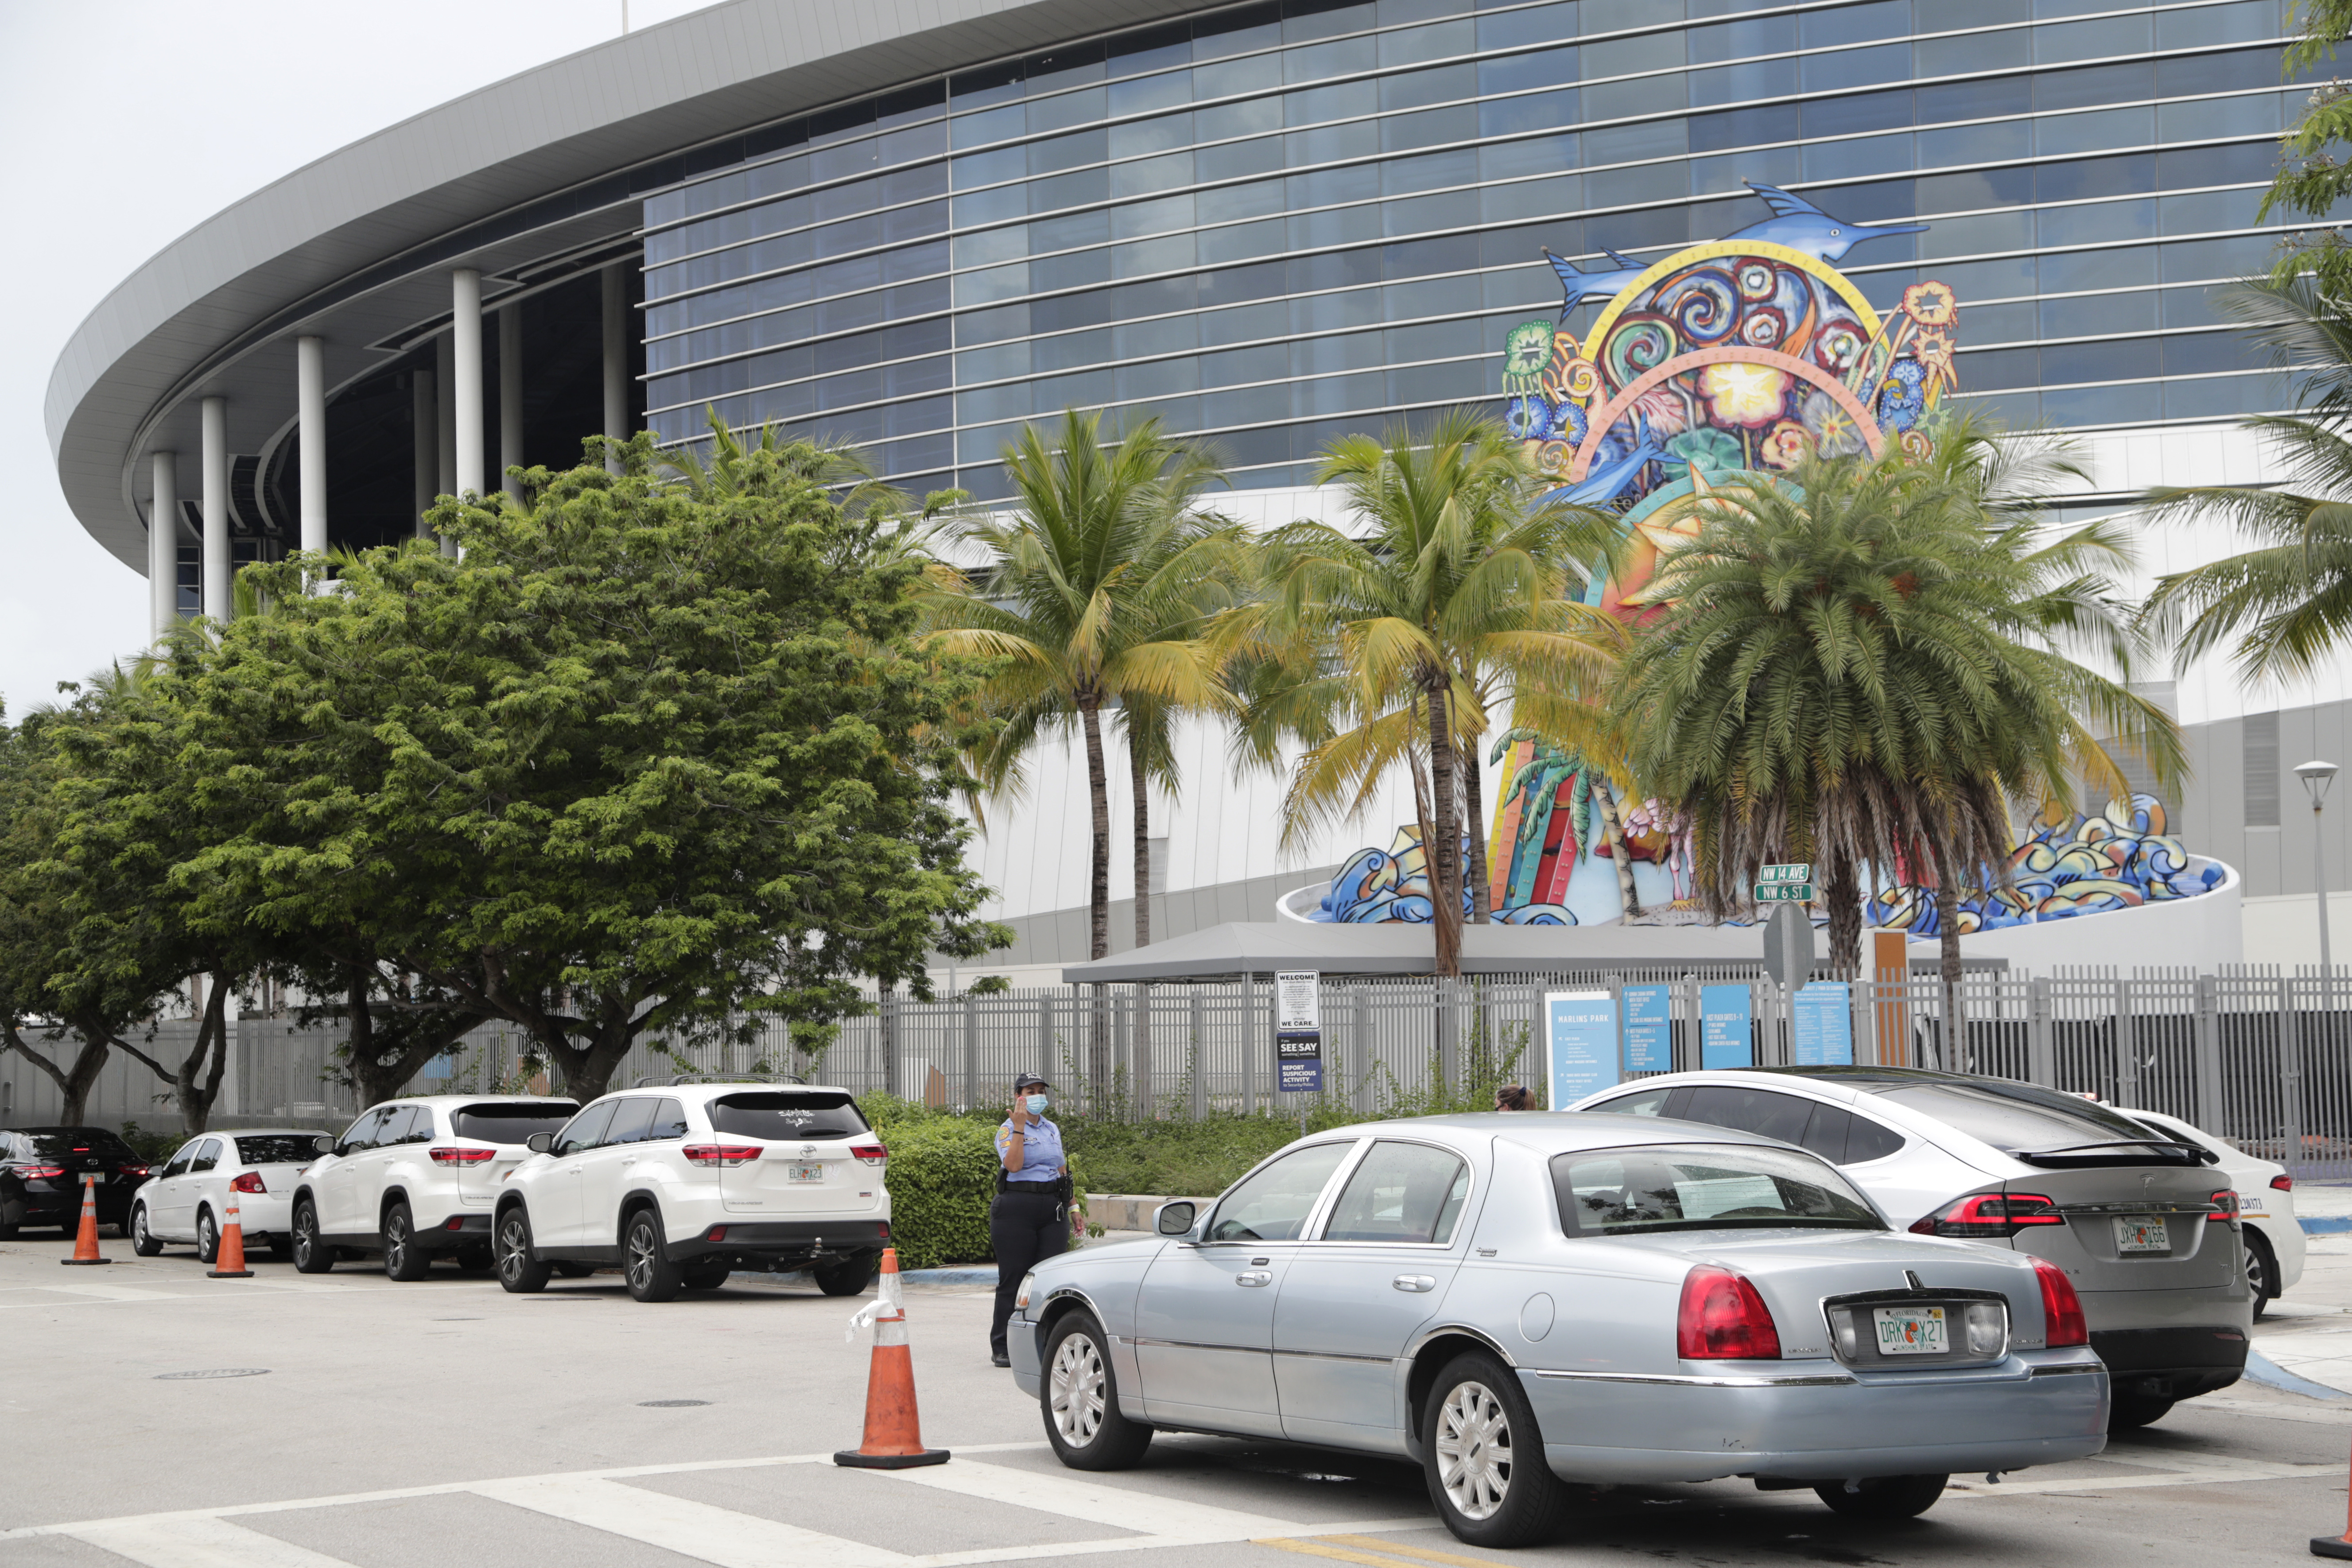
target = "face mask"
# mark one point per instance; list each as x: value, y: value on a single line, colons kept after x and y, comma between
x: 1036, y: 1105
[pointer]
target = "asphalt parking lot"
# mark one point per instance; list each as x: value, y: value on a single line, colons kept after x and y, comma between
x: 388, y: 1425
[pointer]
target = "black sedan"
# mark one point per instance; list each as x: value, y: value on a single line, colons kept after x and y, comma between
x: 42, y: 1170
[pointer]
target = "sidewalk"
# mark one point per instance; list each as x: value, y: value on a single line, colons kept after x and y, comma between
x: 2307, y: 1335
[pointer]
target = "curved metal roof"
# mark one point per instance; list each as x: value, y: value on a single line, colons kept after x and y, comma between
x: 552, y: 163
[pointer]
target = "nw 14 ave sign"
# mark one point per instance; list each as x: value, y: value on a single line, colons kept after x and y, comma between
x: 1791, y: 883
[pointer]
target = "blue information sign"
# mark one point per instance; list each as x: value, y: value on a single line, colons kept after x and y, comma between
x: 1648, y: 1028
x: 1296, y: 1076
x: 1723, y: 1037
x: 1581, y: 1029
x: 1824, y: 1025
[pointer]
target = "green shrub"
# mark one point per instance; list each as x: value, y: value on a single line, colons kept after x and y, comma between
x: 942, y: 1177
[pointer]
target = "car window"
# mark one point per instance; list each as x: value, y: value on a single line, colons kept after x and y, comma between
x: 360, y: 1134
x: 630, y: 1122
x: 510, y: 1122
x: 1402, y: 1191
x: 1648, y: 1102
x: 1757, y: 1111
x: 184, y: 1158
x: 276, y: 1149
x: 421, y: 1124
x: 1619, y: 1192
x: 784, y: 1114
x: 586, y: 1130
x: 393, y: 1128
x: 668, y: 1122
x: 75, y: 1140
x: 1272, y: 1202
x: 207, y: 1157
x: 1867, y: 1140
x: 2021, y: 1118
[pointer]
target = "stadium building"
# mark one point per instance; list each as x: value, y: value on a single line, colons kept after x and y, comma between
x: 917, y: 225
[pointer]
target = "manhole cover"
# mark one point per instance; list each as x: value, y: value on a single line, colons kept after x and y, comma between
x: 212, y: 1372
x: 669, y: 1404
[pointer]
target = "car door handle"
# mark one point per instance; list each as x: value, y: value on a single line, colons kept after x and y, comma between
x: 1415, y: 1282
x: 1254, y: 1276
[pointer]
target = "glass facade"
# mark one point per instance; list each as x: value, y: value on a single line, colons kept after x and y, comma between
x: 1273, y: 224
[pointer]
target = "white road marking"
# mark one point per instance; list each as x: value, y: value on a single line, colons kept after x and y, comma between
x: 98, y: 1293
x: 696, y: 1530
x: 200, y: 1543
x: 2175, y: 1473
x: 1171, y: 1519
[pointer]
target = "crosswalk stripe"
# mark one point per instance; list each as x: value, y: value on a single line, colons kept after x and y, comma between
x: 1175, y: 1519
x: 201, y: 1544
x: 697, y: 1529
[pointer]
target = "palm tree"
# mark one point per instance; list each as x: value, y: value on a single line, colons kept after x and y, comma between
x: 1381, y: 647
x: 2287, y: 601
x: 1864, y: 666
x: 1091, y: 595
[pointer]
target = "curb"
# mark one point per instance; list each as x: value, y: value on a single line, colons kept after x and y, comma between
x: 2325, y: 1224
x: 2261, y: 1369
x: 964, y: 1277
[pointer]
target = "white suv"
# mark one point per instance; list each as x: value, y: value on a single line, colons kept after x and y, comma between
x: 412, y: 1178
x: 682, y: 1181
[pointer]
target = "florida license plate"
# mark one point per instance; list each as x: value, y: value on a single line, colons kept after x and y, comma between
x: 804, y: 1172
x: 1910, y: 1330
x: 2142, y: 1233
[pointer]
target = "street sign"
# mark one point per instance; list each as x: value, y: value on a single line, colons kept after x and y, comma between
x: 1297, y: 1031
x: 1790, y: 871
x: 1784, y: 893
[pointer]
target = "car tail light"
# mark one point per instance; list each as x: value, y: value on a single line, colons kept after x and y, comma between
x: 2283, y: 1182
x: 722, y: 1154
x: 463, y: 1156
x: 249, y: 1182
x: 40, y: 1172
x: 1723, y: 1318
x: 1982, y: 1215
x: 2225, y: 1208
x: 2062, y: 1309
x: 138, y: 1170
x: 869, y: 1153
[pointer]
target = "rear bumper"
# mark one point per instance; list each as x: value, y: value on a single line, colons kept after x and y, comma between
x: 785, y: 1241
x: 2180, y: 1363
x: 57, y: 1208
x: 2044, y: 1408
x: 455, y: 1231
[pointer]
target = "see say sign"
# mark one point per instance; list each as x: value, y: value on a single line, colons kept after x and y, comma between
x: 1788, y: 883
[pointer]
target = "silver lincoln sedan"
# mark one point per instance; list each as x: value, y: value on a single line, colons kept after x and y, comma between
x: 1622, y: 1298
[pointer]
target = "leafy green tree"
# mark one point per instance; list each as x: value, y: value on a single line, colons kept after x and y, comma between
x: 645, y: 756
x: 1092, y: 594
x: 1380, y: 647
x: 2315, y: 175
x: 1863, y: 666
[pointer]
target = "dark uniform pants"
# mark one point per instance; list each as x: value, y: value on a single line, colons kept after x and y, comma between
x: 1023, y: 1227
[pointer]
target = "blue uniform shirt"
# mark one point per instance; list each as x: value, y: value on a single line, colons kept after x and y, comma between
x: 1041, y: 1151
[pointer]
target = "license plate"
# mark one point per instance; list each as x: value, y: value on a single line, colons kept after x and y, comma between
x: 804, y: 1172
x: 2142, y: 1233
x: 97, y: 1176
x: 1910, y: 1330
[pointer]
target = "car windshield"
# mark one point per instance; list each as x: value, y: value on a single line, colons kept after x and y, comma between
x: 2022, y: 1118
x: 278, y: 1149
x: 787, y: 1113
x: 1624, y: 1192
x: 512, y: 1122
x: 55, y: 1143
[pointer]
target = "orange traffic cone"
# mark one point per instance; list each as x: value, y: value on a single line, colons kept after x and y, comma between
x: 894, y: 1432
x: 2334, y: 1545
x: 229, y: 1262
x: 86, y: 1239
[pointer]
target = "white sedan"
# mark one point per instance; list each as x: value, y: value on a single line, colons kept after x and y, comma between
x: 188, y: 1199
x: 2265, y: 1208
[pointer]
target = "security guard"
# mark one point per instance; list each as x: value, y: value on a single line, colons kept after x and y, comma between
x: 1030, y: 1218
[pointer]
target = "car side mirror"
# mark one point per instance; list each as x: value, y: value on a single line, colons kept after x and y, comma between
x: 1174, y: 1219
x: 539, y: 1143
x: 324, y: 1143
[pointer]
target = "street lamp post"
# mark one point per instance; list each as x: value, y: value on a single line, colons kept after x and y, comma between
x: 2317, y: 777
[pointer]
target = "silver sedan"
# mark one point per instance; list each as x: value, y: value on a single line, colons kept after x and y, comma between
x: 1609, y: 1297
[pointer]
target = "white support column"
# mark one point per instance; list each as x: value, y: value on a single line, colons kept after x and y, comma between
x: 164, y: 546
x: 425, y: 426
x: 616, y: 358
x: 510, y: 396
x: 310, y: 411
x: 444, y: 451
x: 216, y: 601
x: 465, y: 372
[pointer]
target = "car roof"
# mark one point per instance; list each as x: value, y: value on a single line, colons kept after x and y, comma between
x: 441, y: 1100
x: 700, y: 1092
x: 261, y: 1133
x: 1546, y: 1131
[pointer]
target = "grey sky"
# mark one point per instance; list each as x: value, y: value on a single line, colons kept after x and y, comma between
x: 133, y: 120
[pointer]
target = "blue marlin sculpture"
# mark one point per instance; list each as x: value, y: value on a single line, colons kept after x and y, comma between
x: 1796, y: 224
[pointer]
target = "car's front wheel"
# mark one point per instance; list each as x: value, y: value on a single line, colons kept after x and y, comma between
x: 1883, y: 1497
x: 2262, y: 1270
x: 142, y: 1240
x: 311, y: 1255
x: 645, y: 1260
x: 1080, y: 1398
x: 207, y: 1237
x: 521, y: 1270
x: 1484, y: 1456
x: 403, y: 1259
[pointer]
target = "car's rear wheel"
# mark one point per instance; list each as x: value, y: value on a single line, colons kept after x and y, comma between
x: 706, y: 1276
x: 142, y: 1240
x: 403, y: 1259
x: 848, y: 1277
x: 645, y: 1260
x: 1080, y: 1398
x: 207, y: 1237
x: 2262, y: 1270
x: 1883, y: 1497
x: 521, y: 1270
x: 1482, y: 1455
x: 311, y: 1256
x: 2129, y: 1407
